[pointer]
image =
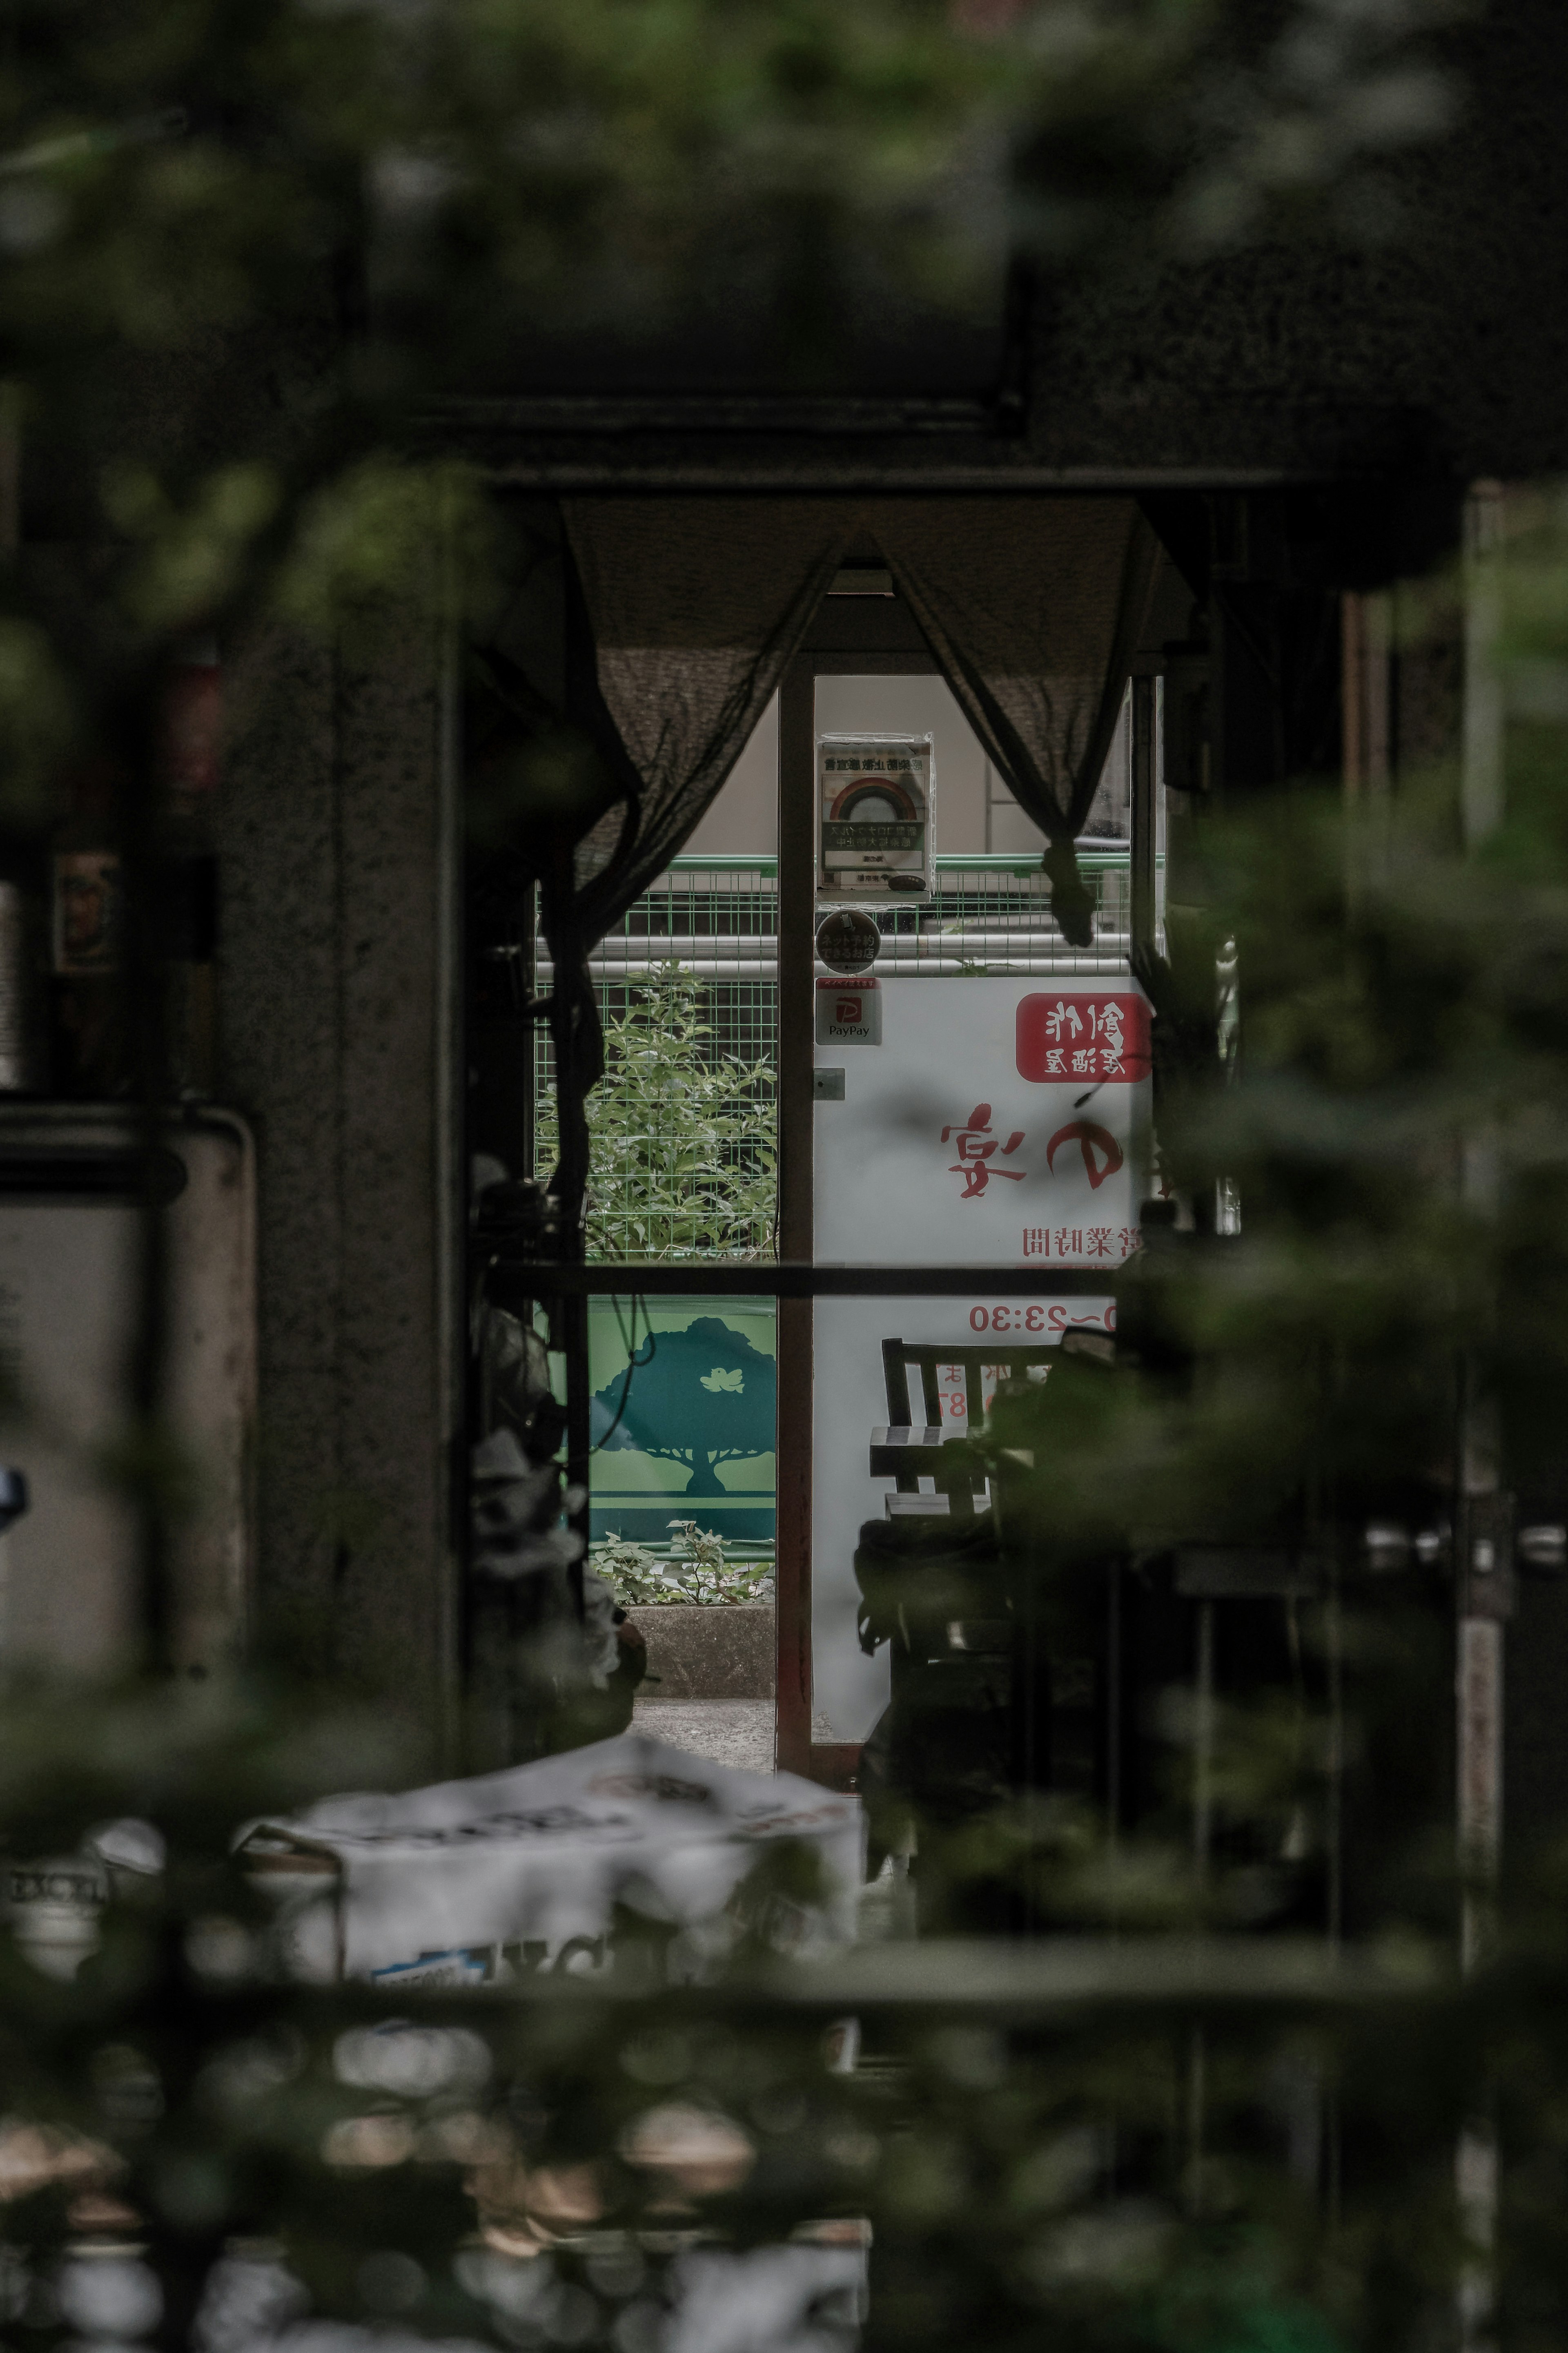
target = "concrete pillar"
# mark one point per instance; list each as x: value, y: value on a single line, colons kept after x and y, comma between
x: 338, y: 984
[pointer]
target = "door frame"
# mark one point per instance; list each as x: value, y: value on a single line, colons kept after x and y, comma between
x: 832, y: 1762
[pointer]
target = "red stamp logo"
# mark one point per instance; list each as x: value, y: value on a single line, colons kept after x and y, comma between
x: 1084, y: 1035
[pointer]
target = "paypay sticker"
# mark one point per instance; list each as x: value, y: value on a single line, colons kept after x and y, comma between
x: 848, y: 1013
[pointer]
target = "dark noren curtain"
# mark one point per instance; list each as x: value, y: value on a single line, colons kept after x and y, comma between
x: 695, y: 607
x: 1034, y: 607
x: 681, y: 618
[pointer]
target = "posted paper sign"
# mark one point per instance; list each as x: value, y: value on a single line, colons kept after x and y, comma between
x: 873, y: 798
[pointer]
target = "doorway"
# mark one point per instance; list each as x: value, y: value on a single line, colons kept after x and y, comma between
x: 982, y: 933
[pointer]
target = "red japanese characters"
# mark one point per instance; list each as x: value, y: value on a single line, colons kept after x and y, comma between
x: 1083, y: 1035
x: 1111, y: 1242
x: 977, y: 1148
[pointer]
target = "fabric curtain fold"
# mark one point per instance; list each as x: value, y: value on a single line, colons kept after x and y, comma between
x: 695, y: 607
x: 681, y: 616
x: 1034, y: 609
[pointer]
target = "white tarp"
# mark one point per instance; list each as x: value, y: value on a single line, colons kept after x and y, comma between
x: 511, y: 1872
x: 769, y: 2299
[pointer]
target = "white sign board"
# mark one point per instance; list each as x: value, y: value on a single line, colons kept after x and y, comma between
x: 68, y: 1291
x: 998, y: 1122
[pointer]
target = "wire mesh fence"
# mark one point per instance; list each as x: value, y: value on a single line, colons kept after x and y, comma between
x: 683, y: 1123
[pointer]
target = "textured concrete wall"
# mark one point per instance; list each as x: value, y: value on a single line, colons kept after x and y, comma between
x: 337, y: 975
x: 1426, y: 339
x: 1436, y: 344
x: 696, y: 1650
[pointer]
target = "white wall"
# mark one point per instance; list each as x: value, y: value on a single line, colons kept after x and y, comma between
x: 744, y: 818
x: 974, y: 810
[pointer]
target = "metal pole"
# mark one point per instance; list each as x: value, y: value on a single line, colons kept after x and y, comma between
x: 1142, y: 912
x: 1484, y: 1577
x: 1113, y: 1716
x: 797, y: 905
x: 1203, y: 1745
x: 1202, y: 1837
x: 573, y: 1013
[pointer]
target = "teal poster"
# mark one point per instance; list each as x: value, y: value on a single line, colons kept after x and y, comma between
x: 683, y: 1416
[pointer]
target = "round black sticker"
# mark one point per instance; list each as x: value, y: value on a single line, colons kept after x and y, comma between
x: 847, y: 941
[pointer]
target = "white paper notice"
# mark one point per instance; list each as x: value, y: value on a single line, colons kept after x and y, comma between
x: 875, y: 809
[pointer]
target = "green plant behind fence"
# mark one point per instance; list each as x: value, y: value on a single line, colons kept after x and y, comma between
x: 697, y: 1570
x: 684, y: 1138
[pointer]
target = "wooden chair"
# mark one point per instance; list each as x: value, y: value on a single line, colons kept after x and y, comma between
x: 905, y: 1461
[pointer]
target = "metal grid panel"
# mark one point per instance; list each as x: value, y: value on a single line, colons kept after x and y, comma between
x: 994, y: 914
x: 684, y: 1122
x: 987, y: 914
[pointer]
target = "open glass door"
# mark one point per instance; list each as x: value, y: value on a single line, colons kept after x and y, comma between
x: 960, y: 1087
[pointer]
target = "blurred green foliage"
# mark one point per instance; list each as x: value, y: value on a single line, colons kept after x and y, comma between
x: 1131, y: 2148
x: 244, y: 248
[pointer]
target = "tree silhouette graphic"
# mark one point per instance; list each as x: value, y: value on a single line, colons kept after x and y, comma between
x: 705, y: 1395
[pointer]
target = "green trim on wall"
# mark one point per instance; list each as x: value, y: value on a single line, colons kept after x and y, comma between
x: 1097, y: 861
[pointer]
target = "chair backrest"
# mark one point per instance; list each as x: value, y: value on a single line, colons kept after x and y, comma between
x: 897, y: 1356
